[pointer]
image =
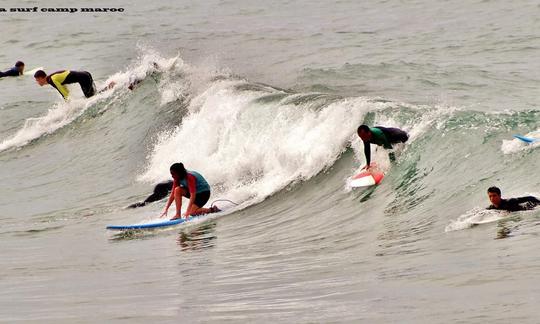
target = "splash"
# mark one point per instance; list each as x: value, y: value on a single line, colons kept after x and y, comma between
x: 474, y: 217
x: 251, y: 141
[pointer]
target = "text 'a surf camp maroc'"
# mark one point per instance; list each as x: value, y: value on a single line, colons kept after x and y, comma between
x: 68, y: 10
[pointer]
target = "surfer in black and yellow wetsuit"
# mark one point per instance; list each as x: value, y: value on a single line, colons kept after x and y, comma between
x: 59, y: 79
x: 382, y: 136
x: 15, y: 71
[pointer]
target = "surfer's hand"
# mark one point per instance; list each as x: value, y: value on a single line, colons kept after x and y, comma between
x: 366, y: 167
x: 164, y: 214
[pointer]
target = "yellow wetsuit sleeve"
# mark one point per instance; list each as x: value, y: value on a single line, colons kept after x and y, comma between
x: 57, y: 79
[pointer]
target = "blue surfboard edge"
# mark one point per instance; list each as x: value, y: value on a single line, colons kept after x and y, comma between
x: 165, y: 223
x: 526, y: 139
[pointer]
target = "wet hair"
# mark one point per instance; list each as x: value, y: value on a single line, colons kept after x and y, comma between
x: 19, y: 64
x: 40, y: 74
x: 179, y: 169
x: 365, y: 128
x: 494, y: 190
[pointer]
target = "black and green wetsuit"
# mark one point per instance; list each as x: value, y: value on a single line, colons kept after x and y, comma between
x: 385, y: 137
x: 83, y: 78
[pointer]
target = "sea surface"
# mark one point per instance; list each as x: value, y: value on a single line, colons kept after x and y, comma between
x: 263, y: 98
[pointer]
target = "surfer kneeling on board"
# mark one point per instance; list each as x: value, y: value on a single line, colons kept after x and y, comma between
x: 15, y: 71
x: 512, y: 204
x: 59, y: 79
x: 192, y: 185
x: 382, y: 136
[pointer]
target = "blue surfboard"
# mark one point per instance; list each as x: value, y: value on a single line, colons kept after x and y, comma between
x: 526, y: 139
x: 153, y: 225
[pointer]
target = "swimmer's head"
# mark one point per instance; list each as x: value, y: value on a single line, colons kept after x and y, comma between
x: 494, y: 195
x: 41, y: 77
x: 20, y: 66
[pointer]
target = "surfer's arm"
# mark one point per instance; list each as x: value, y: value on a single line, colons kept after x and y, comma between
x: 192, y: 187
x: 367, y: 153
x: 170, y: 201
x: 530, y: 201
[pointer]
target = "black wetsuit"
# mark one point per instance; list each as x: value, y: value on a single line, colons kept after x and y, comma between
x: 13, y: 72
x: 384, y: 136
x: 517, y: 204
x: 161, y: 190
x: 59, y: 79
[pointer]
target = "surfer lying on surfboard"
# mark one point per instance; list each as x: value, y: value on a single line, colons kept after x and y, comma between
x: 15, y: 71
x: 512, y: 204
x: 382, y: 136
x: 192, y: 185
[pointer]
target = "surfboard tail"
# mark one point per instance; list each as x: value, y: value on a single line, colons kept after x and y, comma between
x: 526, y: 139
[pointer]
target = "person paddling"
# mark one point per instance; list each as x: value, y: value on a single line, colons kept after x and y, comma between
x: 15, y: 71
x: 512, y: 204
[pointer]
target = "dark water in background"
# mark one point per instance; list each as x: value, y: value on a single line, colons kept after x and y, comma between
x: 264, y: 99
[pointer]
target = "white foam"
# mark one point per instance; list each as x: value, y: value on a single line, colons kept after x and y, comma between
x: 60, y: 115
x: 474, y: 217
x: 249, y: 149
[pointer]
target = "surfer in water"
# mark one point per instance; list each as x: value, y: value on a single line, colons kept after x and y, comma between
x: 59, y: 79
x: 15, y: 71
x: 512, y: 204
x: 382, y: 136
x: 192, y: 185
x: 161, y: 190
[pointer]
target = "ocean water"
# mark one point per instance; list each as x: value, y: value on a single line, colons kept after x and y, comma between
x: 264, y: 100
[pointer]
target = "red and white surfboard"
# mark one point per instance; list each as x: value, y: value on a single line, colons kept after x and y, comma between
x: 366, y: 179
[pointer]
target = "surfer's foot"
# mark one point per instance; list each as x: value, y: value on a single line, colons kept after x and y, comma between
x: 176, y: 217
